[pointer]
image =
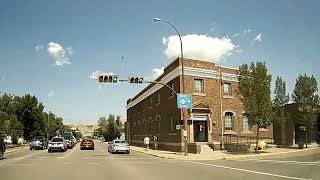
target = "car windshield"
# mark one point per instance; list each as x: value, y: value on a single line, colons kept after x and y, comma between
x: 57, y: 140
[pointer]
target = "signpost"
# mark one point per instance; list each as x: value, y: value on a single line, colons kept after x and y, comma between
x: 184, y: 101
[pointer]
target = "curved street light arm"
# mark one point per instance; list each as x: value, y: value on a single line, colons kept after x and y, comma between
x: 157, y: 82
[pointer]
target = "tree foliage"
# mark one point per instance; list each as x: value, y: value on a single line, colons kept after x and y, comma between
x: 109, y: 127
x: 281, y: 98
x: 305, y: 95
x: 24, y: 116
x: 255, y: 88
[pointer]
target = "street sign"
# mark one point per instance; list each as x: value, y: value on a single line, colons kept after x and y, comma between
x: 184, y: 101
x: 178, y: 127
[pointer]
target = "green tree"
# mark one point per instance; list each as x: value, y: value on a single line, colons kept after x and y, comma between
x: 281, y: 98
x: 255, y: 87
x: 113, y: 130
x: 307, y: 99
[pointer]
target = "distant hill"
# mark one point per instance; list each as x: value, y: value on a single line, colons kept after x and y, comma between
x: 85, y: 129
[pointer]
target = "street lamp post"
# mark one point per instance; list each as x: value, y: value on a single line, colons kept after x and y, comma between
x: 185, y: 124
x: 48, y: 126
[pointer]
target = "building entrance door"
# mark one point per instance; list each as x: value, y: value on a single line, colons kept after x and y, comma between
x: 200, y: 130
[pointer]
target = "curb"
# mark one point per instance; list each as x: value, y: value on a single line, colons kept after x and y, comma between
x: 269, y: 154
x: 164, y: 157
x: 230, y: 158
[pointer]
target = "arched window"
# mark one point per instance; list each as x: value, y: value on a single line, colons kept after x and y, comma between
x: 158, y: 124
x: 245, y: 122
x: 149, y: 126
x: 228, y: 117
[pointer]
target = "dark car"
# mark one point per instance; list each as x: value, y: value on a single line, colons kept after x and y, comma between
x: 2, y: 147
x: 39, y: 142
x: 87, y: 144
x: 68, y: 137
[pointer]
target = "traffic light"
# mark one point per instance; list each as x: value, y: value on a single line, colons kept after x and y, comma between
x: 108, y: 79
x: 135, y: 80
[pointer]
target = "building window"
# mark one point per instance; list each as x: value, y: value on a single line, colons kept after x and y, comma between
x: 172, y: 124
x: 245, y: 123
x: 150, y: 101
x: 149, y: 126
x: 158, y: 97
x: 172, y: 86
x: 198, y: 85
x: 157, y: 125
x: 227, y: 89
x: 228, y: 121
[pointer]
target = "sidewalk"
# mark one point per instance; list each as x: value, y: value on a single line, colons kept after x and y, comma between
x: 16, y: 149
x: 215, y: 155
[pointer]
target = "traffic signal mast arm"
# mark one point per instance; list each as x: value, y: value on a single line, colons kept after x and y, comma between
x: 156, y: 82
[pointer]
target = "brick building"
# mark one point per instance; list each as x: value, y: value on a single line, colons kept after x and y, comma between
x: 154, y: 110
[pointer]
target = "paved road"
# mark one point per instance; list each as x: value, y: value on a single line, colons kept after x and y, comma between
x: 99, y: 164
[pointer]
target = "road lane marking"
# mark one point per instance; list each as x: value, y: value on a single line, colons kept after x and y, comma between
x: 94, y: 163
x: 28, y: 155
x: 74, y: 148
x: 94, y: 158
x: 66, y: 163
x: 285, y: 162
x: 250, y: 171
x: 111, y: 157
x: 130, y: 162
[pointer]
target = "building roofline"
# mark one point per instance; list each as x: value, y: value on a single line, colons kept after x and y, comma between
x: 162, y: 75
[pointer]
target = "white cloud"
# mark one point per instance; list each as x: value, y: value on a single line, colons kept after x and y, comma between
x: 59, y: 54
x: 39, y: 47
x: 258, y: 37
x: 156, y: 72
x: 201, y: 47
x: 245, y: 32
x: 238, y: 51
x: 97, y: 73
x: 236, y: 35
x: 51, y: 93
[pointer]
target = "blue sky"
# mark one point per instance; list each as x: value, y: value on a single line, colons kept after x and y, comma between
x: 50, y: 48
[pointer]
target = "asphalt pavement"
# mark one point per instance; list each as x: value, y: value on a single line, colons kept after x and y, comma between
x: 99, y: 164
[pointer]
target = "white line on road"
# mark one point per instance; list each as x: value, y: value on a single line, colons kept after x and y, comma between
x: 94, y: 158
x: 250, y: 171
x: 74, y: 148
x: 94, y: 163
x: 22, y: 157
x: 110, y: 157
x: 130, y: 162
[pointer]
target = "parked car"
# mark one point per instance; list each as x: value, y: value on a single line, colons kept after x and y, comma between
x: 57, y: 144
x: 2, y: 147
x: 87, y: 144
x: 38, y: 142
x: 75, y: 141
x: 68, y: 138
x: 116, y: 146
x: 7, y: 139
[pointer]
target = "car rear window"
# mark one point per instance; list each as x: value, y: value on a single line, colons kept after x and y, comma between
x: 120, y: 141
x: 57, y: 140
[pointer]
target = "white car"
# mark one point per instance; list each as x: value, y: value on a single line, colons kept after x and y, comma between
x: 116, y: 146
x: 57, y: 144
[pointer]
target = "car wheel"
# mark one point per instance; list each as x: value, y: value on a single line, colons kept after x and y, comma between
x: 31, y: 148
x: 128, y: 152
x: 49, y: 151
